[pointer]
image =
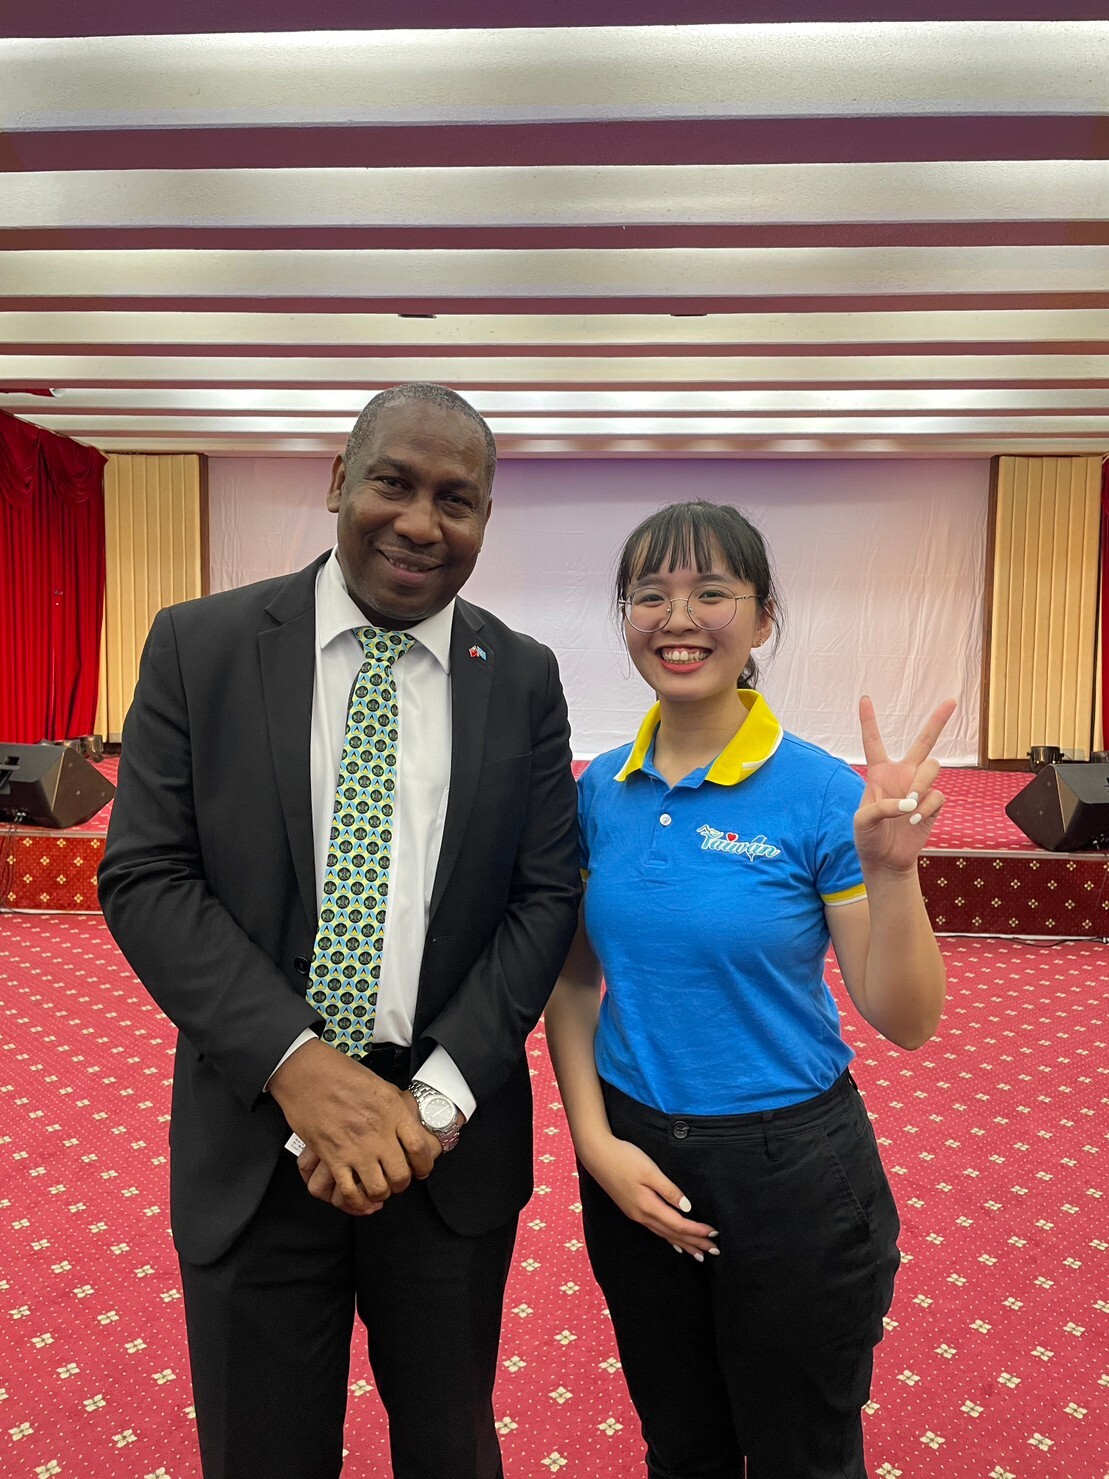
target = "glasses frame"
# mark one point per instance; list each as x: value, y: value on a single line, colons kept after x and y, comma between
x: 626, y: 604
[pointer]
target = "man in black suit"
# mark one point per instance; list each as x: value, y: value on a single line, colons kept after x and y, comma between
x: 218, y: 883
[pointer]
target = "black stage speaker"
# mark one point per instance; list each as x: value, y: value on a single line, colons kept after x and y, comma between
x: 49, y: 786
x: 1066, y: 807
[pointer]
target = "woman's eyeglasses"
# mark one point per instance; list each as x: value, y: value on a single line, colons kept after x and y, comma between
x: 709, y: 607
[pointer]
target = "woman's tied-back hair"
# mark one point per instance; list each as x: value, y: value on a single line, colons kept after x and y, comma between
x: 695, y: 534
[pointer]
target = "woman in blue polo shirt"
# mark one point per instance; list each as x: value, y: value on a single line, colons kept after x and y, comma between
x: 708, y: 1090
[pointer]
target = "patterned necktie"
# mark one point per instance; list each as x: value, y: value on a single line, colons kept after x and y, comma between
x: 346, y: 958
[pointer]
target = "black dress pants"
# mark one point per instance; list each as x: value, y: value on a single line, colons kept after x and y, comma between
x: 758, y: 1361
x: 270, y: 1323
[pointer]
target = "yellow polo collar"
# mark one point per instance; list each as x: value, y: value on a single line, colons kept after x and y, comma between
x: 752, y: 745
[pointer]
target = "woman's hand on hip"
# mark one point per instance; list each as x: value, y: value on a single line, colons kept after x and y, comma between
x: 643, y: 1193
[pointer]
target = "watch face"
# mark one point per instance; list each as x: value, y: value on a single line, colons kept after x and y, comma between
x: 437, y: 1112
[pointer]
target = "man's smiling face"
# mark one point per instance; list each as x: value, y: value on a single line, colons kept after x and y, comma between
x: 412, y: 512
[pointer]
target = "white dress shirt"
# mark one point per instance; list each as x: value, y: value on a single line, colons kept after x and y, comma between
x: 422, y: 677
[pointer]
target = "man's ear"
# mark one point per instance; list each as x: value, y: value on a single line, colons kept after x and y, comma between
x: 335, y: 488
x: 488, y: 511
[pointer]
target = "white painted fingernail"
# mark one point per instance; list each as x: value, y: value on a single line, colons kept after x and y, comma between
x: 700, y: 1257
x: 909, y: 802
x: 913, y: 820
x: 675, y: 1247
x: 713, y: 1232
x: 715, y: 1252
x: 685, y: 1205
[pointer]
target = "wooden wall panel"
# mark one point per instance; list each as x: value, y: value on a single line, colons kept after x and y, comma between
x: 155, y: 541
x: 1101, y: 739
x: 1042, y: 637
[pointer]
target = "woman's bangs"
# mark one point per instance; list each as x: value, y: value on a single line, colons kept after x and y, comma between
x: 675, y: 542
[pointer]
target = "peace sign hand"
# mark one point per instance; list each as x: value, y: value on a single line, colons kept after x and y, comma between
x: 890, y: 828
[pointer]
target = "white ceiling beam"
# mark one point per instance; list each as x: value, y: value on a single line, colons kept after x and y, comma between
x: 248, y: 400
x: 556, y: 370
x: 321, y: 332
x: 89, y: 427
x: 567, y: 196
x: 547, y: 74
x: 676, y: 272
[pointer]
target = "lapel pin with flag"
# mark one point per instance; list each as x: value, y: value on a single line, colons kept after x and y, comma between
x: 478, y: 652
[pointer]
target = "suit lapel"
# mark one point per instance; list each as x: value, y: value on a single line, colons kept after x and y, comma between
x: 471, y: 688
x: 287, y: 654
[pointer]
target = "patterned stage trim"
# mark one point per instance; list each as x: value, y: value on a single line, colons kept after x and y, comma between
x: 51, y: 872
x: 996, y: 1359
x: 1058, y: 895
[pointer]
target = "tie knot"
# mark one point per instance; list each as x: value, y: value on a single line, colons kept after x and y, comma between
x: 382, y: 647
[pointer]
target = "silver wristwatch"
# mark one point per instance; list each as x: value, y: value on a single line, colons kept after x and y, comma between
x: 437, y: 1113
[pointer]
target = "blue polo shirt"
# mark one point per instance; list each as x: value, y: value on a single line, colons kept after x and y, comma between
x: 705, y: 906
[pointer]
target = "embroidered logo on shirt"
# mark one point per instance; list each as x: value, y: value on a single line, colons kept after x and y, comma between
x: 735, y: 846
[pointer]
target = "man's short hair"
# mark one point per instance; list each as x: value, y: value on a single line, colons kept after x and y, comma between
x: 435, y: 395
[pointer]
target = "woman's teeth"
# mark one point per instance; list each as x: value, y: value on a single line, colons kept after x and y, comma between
x: 683, y: 654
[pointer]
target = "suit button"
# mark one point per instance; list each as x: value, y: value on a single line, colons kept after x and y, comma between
x: 301, y: 964
x: 679, y: 1129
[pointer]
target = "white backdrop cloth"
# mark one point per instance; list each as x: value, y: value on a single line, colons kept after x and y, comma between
x: 880, y: 564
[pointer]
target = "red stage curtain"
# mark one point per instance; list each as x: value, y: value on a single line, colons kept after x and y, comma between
x: 1104, y: 605
x: 51, y: 583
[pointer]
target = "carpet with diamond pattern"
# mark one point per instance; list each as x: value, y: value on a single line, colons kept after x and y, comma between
x: 995, y: 1135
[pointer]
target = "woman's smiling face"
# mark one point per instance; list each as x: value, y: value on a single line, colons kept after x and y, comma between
x: 702, y: 647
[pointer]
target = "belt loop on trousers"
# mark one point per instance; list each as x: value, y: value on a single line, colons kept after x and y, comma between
x: 770, y: 1139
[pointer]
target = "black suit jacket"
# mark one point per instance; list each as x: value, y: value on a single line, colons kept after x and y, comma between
x: 208, y: 885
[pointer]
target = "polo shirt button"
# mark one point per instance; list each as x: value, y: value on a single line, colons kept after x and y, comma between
x: 666, y: 819
x: 680, y: 1129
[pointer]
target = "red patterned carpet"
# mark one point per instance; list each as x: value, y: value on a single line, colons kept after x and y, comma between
x: 996, y: 1136
x: 974, y: 814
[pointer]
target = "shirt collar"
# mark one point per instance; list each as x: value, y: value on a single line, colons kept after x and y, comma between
x: 336, y: 613
x: 752, y: 745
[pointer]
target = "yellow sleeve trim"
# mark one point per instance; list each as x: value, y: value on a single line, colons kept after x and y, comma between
x: 584, y: 874
x: 845, y: 896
